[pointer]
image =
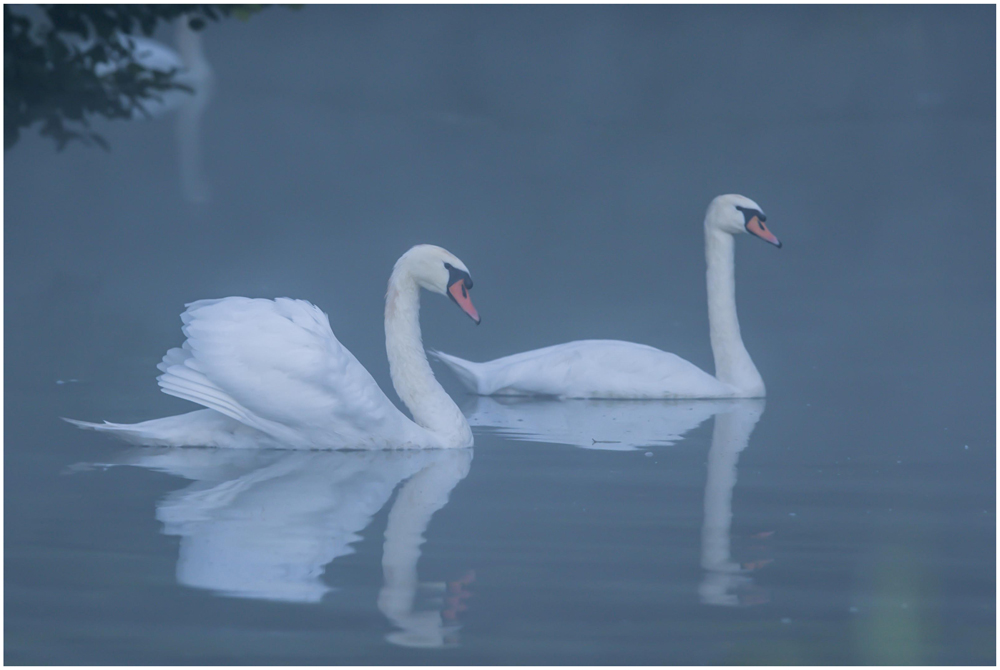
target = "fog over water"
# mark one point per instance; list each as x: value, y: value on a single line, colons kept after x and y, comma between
x: 567, y: 156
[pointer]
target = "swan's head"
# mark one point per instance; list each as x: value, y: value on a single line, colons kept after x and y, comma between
x: 736, y: 214
x: 440, y: 271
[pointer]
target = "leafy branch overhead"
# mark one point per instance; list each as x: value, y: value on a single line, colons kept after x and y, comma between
x: 65, y: 63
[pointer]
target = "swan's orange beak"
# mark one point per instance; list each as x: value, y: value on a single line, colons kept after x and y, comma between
x: 756, y: 227
x: 460, y: 294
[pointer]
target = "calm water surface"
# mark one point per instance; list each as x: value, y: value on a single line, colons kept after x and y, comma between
x: 573, y: 532
x: 567, y: 156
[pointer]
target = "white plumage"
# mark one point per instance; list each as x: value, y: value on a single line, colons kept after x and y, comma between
x: 275, y: 365
x: 587, y: 369
x: 271, y: 373
x: 615, y: 369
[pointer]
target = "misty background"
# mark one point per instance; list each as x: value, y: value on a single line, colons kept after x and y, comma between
x: 567, y: 156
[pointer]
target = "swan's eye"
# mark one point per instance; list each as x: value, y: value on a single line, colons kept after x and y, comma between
x: 749, y: 213
x: 456, y: 275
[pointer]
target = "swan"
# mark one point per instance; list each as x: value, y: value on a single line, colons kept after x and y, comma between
x: 615, y: 369
x: 271, y: 374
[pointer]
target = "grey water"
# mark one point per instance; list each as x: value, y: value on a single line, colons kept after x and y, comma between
x: 566, y: 155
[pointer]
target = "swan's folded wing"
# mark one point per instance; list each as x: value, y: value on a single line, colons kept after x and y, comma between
x: 276, y: 365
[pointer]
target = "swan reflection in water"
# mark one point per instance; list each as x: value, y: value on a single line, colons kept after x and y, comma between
x: 627, y: 425
x: 265, y: 523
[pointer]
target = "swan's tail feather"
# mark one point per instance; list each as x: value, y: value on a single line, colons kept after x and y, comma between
x: 136, y: 433
x: 469, y: 373
x: 200, y: 428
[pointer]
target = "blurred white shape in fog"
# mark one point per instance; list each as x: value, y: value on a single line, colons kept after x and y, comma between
x: 197, y: 74
x: 192, y: 70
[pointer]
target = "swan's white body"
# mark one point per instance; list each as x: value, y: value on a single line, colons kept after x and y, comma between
x: 589, y: 369
x: 272, y: 374
x: 615, y: 369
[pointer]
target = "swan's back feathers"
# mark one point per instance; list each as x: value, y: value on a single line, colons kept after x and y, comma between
x: 469, y: 373
x: 589, y: 369
x: 276, y: 366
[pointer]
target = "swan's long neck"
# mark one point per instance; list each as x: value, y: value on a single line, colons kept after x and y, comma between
x: 732, y: 362
x: 412, y: 377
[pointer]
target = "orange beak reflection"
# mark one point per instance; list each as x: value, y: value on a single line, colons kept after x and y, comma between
x: 460, y: 294
x: 757, y: 227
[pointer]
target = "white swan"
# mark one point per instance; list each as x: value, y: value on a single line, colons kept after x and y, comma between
x: 615, y: 369
x: 272, y: 374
